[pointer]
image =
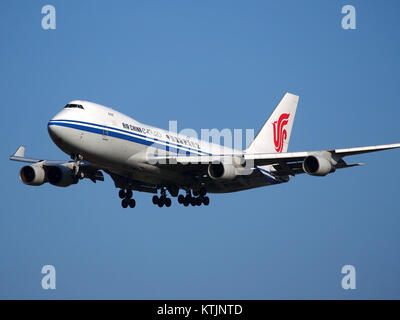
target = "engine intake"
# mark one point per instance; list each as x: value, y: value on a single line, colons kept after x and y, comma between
x: 33, y: 175
x: 317, y: 166
x: 221, y: 171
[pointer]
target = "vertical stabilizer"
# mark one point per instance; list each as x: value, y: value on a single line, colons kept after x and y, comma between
x: 275, y: 134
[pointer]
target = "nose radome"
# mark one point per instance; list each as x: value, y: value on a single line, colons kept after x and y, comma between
x: 53, y: 132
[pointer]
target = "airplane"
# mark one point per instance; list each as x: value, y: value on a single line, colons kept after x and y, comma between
x: 143, y: 158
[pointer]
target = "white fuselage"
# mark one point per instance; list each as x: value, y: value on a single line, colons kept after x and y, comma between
x: 143, y: 158
x: 120, y: 144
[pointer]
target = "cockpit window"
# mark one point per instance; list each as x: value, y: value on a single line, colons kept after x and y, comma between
x: 74, y: 106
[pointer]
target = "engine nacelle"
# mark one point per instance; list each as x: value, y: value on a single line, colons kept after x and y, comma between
x: 221, y: 171
x: 317, y: 166
x: 33, y: 175
x: 61, y: 176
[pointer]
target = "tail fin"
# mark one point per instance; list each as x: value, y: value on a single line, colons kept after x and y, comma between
x: 275, y: 134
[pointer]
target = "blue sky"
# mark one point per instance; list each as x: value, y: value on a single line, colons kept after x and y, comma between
x: 206, y: 64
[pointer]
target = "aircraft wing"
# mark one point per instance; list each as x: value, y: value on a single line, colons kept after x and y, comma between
x: 272, y: 158
x: 90, y: 171
x: 261, y: 159
x: 359, y: 150
x: 19, y: 155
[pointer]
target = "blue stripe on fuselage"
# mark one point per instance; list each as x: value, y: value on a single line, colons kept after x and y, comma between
x: 133, y: 137
x: 270, y: 177
x: 130, y: 132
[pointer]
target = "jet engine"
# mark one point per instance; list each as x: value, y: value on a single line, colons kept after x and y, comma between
x: 61, y: 176
x: 33, y: 175
x: 221, y: 171
x: 317, y: 166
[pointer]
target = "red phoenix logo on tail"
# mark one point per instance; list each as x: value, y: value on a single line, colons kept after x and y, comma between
x: 280, y: 133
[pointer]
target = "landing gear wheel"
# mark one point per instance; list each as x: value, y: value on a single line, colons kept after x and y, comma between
x: 168, y: 202
x: 124, y: 203
x: 132, y: 203
x: 122, y: 194
x: 186, y: 202
x: 193, y: 202
x: 128, y: 194
x: 181, y: 198
x: 160, y: 202
x: 198, y: 201
x: 206, y: 201
x: 155, y: 200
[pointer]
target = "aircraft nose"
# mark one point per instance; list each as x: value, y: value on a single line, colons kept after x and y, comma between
x: 53, y: 132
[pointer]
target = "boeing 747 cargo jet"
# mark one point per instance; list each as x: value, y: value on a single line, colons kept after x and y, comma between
x: 139, y: 157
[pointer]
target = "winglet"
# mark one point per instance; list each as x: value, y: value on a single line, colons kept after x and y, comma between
x: 20, y: 152
x: 19, y: 155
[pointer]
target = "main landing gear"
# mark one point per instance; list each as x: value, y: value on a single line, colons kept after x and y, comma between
x: 198, y: 199
x: 126, y: 196
x: 162, y: 200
